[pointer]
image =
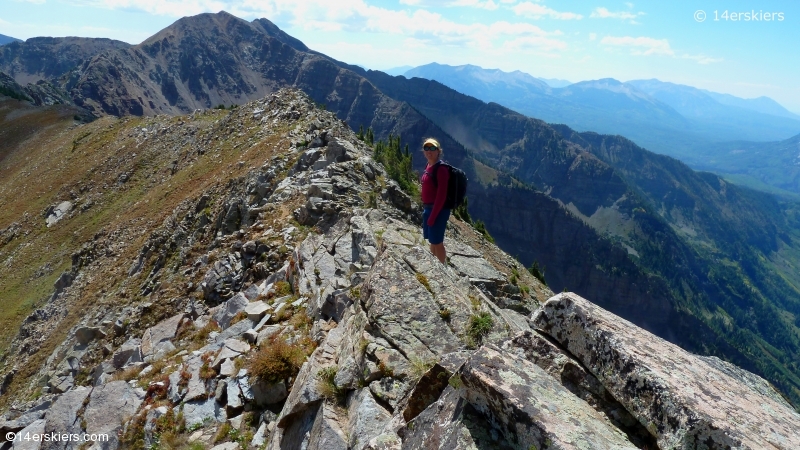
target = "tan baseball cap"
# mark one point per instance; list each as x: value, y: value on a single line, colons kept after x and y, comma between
x: 432, y: 142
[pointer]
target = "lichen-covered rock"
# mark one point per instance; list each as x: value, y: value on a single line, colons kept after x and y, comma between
x: 531, y: 408
x: 366, y: 418
x: 450, y: 423
x: 540, y: 350
x: 683, y: 400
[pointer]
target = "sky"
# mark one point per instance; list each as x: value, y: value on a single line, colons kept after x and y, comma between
x: 715, y: 45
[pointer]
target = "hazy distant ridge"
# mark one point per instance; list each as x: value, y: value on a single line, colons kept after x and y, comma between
x: 668, y: 118
x: 8, y: 39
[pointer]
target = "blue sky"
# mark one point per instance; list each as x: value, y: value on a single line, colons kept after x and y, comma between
x: 573, y: 40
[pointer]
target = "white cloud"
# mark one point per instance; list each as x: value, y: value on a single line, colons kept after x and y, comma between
x: 538, y: 11
x: 535, y: 43
x: 592, y: 36
x: 604, y: 13
x: 640, y: 45
x: 645, y: 46
x: 488, y: 4
x: 359, y: 16
x: 702, y: 59
x: 481, y: 4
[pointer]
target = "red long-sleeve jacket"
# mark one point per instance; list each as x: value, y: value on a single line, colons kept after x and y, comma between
x: 435, y: 194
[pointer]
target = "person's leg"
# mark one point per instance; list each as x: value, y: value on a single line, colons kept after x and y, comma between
x: 439, y: 252
x: 437, y: 236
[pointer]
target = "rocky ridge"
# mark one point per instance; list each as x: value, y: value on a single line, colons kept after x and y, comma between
x: 317, y: 251
x: 676, y: 252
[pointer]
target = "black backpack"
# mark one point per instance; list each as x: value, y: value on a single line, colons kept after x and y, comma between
x: 456, y: 185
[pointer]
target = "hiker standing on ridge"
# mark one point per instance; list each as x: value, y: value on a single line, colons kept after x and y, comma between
x: 434, y: 196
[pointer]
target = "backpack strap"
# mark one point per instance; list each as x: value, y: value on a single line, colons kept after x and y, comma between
x: 435, y: 172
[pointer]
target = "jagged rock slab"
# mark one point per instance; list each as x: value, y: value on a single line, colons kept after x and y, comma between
x: 450, y: 424
x: 326, y: 432
x: 156, y: 339
x: 110, y: 405
x: 475, y: 268
x: 538, y: 349
x: 25, y: 420
x: 230, y: 309
x: 531, y: 408
x: 62, y: 417
x: 202, y: 412
x: 129, y: 352
x: 305, y: 391
x: 404, y: 310
x: 683, y: 400
x: 25, y: 439
x: 366, y: 418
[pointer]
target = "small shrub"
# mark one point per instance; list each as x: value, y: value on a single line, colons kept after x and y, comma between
x: 362, y: 346
x: 157, y: 390
x: 420, y: 366
x: 185, y: 377
x: 327, y: 387
x: 513, y: 279
x: 537, y: 272
x: 285, y: 313
x: 524, y: 288
x: 283, y: 288
x: 445, y: 314
x: 481, y: 228
x: 476, y: 302
x: 278, y: 360
x: 201, y: 336
x: 455, y: 382
x: 222, y: 432
x: 301, y: 321
x: 424, y: 281
x: 240, y: 316
x: 206, y: 371
x: 134, y: 433
x: 479, y: 326
x: 385, y: 370
x: 128, y: 374
x: 462, y: 213
x: 355, y: 292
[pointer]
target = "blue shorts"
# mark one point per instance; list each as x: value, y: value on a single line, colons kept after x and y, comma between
x: 434, y: 234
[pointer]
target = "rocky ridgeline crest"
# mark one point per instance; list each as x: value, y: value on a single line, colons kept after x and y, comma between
x: 397, y: 350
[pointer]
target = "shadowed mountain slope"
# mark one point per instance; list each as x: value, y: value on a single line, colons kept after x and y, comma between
x: 47, y: 58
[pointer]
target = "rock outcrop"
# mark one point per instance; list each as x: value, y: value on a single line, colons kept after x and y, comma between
x: 312, y: 315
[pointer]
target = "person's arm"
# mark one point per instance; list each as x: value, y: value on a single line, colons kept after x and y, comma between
x: 442, y: 178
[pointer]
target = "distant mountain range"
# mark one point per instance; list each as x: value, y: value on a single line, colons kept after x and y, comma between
x: 677, y: 120
x: 8, y: 39
x: 694, y: 259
